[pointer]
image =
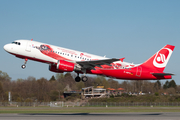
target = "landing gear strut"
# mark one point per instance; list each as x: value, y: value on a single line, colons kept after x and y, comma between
x: 24, y: 65
x: 77, y: 79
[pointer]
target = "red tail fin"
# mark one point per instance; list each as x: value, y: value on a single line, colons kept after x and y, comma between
x: 159, y: 60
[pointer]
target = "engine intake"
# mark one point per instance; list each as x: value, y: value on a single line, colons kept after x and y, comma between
x: 53, y: 68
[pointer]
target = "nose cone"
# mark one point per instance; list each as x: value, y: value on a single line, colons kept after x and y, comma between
x: 7, y: 47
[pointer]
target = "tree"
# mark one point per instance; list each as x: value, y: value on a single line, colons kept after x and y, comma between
x: 172, y: 84
x: 169, y: 84
x: 80, y: 85
x: 4, y: 77
x: 166, y: 85
x: 52, y: 79
x: 113, y: 84
x: 54, y: 95
x: 157, y: 85
x: 1, y: 90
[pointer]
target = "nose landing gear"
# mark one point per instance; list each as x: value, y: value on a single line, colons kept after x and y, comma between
x: 24, y: 65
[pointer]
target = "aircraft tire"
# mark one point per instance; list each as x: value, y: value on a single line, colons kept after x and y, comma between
x: 77, y: 79
x: 23, y: 66
x: 84, y: 78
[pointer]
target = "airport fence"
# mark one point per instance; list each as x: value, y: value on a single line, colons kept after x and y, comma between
x: 21, y: 104
x: 90, y: 104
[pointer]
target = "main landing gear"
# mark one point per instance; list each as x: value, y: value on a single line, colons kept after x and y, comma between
x: 78, y: 79
x: 24, y: 65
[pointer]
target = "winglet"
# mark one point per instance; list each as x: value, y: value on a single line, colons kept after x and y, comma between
x: 121, y: 59
x: 31, y: 39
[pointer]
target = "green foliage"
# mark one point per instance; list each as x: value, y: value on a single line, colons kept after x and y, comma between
x: 156, y: 94
x: 157, y: 85
x: 1, y: 88
x: 73, y: 97
x: 18, y: 99
x: 125, y: 95
x: 170, y: 84
x: 111, y: 96
x: 80, y: 85
x: 4, y: 77
x: 54, y: 95
x: 28, y: 100
x: 43, y: 90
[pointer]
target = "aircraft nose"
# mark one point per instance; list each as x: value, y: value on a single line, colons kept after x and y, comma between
x: 7, y: 47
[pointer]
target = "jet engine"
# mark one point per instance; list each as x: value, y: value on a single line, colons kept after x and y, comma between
x: 53, y: 68
x: 65, y: 66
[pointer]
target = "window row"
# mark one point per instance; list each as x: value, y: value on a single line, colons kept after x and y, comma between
x: 17, y: 43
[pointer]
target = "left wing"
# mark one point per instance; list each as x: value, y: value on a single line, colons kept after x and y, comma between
x: 91, y: 64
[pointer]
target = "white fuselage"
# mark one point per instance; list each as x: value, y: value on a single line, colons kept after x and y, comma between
x: 30, y: 49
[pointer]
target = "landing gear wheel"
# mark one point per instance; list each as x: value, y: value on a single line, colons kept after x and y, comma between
x: 77, y: 79
x: 84, y: 78
x: 23, y: 66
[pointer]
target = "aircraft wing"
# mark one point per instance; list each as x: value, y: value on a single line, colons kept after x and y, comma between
x: 98, y: 63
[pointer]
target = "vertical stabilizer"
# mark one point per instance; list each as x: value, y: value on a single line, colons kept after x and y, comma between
x: 159, y: 60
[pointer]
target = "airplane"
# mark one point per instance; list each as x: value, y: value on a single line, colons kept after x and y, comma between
x: 66, y: 60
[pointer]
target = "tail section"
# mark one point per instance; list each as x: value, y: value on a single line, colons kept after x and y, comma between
x: 159, y: 60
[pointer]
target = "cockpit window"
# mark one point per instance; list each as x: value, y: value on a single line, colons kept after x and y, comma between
x: 17, y: 43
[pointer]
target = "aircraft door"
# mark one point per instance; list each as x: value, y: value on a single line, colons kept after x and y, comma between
x: 139, y: 71
x: 29, y: 46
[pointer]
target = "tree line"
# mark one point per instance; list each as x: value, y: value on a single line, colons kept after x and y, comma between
x: 44, y: 90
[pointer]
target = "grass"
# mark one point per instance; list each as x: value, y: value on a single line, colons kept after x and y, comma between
x: 22, y: 110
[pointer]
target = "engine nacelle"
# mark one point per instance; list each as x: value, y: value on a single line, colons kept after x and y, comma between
x: 65, y: 66
x: 53, y: 68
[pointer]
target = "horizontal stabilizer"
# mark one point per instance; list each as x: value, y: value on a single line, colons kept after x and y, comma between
x: 161, y: 74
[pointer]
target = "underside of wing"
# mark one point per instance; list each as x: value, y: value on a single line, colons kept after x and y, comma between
x: 98, y: 63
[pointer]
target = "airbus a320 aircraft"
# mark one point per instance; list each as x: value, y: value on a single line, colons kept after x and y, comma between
x: 65, y: 60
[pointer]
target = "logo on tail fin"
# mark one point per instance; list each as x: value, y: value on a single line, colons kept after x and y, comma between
x: 162, y: 57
